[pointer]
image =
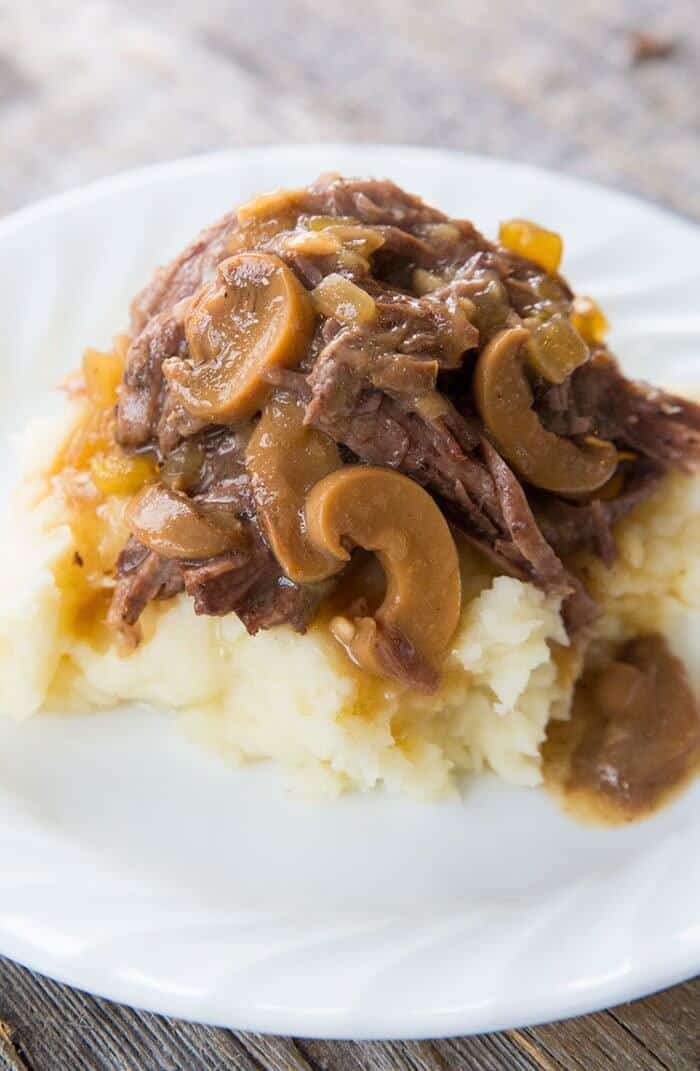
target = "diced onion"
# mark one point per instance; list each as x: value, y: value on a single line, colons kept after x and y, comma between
x: 342, y: 299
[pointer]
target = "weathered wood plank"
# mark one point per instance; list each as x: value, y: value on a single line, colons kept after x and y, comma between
x: 10, y: 1056
x: 276, y: 1054
x: 667, y: 1024
x: 487, y: 1052
x: 46, y: 1027
x: 595, y: 1043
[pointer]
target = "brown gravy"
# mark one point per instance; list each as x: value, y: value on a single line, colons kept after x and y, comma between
x: 633, y: 739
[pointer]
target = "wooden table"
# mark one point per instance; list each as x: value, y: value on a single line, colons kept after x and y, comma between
x: 88, y: 89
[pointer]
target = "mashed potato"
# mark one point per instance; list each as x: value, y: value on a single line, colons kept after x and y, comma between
x: 296, y: 700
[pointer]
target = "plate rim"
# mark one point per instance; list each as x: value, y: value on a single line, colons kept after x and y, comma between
x: 342, y: 1025
x: 191, y: 163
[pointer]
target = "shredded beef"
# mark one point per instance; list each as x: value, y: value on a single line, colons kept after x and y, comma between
x: 253, y: 586
x: 522, y: 528
x: 248, y: 582
x: 386, y: 410
x: 131, y: 557
x: 394, y: 391
x: 174, y: 425
x: 140, y: 400
x: 142, y: 575
x: 371, y: 201
x: 528, y: 286
x: 545, y: 568
x: 399, y: 658
x: 307, y: 272
x: 380, y: 431
x: 185, y: 274
x: 223, y: 478
x: 401, y: 247
x: 568, y: 526
x: 601, y: 401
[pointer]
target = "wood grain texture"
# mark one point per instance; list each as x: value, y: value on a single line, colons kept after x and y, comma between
x: 88, y: 89
x: 46, y: 1027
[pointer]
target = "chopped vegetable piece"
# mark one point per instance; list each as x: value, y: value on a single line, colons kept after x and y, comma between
x: 182, y: 469
x: 529, y: 240
x: 589, y: 320
x: 103, y: 374
x: 339, y: 297
x: 313, y: 244
x: 119, y: 474
x: 267, y: 205
x: 424, y: 282
x: 555, y: 348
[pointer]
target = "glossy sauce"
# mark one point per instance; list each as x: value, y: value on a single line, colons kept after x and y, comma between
x: 357, y: 591
x: 633, y: 739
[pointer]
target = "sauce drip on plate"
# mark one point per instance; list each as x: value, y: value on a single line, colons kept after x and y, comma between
x: 633, y: 738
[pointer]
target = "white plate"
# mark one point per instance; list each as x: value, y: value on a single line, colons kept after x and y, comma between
x: 138, y: 867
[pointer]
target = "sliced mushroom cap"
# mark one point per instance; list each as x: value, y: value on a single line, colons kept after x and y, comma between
x: 285, y: 459
x: 504, y: 400
x: 397, y: 520
x: 253, y: 316
x: 169, y: 523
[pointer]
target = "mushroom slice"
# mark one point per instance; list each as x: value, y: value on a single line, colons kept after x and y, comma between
x: 284, y: 460
x: 253, y: 316
x: 390, y: 515
x: 504, y: 400
x: 169, y: 523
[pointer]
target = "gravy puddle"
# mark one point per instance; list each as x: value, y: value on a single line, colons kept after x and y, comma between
x: 633, y: 740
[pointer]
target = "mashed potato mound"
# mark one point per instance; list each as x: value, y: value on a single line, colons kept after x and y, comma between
x: 296, y: 699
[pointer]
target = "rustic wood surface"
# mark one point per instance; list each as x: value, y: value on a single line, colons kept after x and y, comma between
x: 87, y: 89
